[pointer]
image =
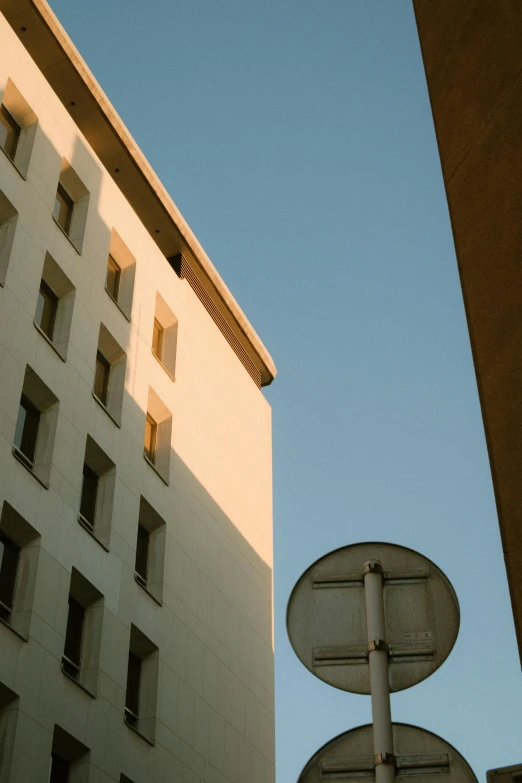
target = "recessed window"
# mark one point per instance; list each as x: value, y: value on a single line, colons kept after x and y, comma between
x: 73, y: 638
x: 150, y: 550
x: 157, y: 339
x: 151, y: 431
x: 113, y: 278
x: 60, y: 769
x: 109, y: 375
x: 158, y: 433
x: 81, y: 652
x: 19, y: 552
x: 63, y: 208
x: 121, y: 271
x: 26, y: 432
x: 9, y: 713
x: 89, y: 495
x: 46, y: 308
x: 142, y: 554
x: 54, y: 307
x: 142, y: 684
x: 35, y: 428
x: 9, y: 555
x: 69, y: 758
x: 8, y: 219
x: 97, y: 492
x: 132, y: 696
x: 71, y: 205
x: 18, y: 124
x: 101, y: 377
x: 165, y: 336
x: 9, y: 132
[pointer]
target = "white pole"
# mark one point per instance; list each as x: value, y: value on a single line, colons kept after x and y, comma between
x: 379, y: 682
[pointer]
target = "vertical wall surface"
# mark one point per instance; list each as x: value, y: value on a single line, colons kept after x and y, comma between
x: 472, y: 55
x: 211, y: 715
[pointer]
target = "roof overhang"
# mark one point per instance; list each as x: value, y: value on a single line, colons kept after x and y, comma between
x: 52, y: 50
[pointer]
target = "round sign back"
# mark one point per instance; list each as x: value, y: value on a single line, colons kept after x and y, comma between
x: 420, y: 757
x: 326, y: 616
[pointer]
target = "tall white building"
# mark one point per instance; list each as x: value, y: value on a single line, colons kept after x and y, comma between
x: 135, y: 456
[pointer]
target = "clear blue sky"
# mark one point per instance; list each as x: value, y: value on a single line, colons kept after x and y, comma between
x: 296, y: 138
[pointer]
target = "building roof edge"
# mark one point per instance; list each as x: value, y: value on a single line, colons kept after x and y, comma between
x: 44, y: 38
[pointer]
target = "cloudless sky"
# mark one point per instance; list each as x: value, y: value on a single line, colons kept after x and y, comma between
x: 296, y: 137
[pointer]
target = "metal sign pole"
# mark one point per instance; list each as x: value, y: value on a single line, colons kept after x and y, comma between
x: 342, y: 631
x: 384, y: 758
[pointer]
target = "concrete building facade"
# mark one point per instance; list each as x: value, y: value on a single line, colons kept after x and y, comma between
x: 135, y: 456
x: 472, y: 56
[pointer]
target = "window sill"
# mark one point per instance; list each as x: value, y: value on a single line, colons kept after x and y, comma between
x: 11, y: 161
x: 109, y: 414
x: 21, y: 636
x: 66, y: 235
x: 145, y: 588
x: 48, y: 341
x: 154, y: 468
x: 23, y: 461
x: 161, y: 363
x: 91, y: 532
x: 78, y: 683
x: 138, y: 732
x: 122, y: 311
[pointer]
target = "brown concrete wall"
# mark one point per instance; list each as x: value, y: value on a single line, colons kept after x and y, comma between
x: 472, y: 55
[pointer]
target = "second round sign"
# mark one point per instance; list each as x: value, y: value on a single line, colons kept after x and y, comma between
x: 326, y: 616
x: 420, y: 757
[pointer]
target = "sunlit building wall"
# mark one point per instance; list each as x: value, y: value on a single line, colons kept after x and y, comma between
x: 135, y: 456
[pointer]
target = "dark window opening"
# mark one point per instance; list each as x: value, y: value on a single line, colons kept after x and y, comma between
x: 89, y: 494
x: 9, y: 132
x: 113, y: 278
x: 73, y: 638
x: 26, y: 431
x: 60, y: 769
x: 101, y: 378
x: 142, y: 554
x: 46, y: 308
x: 132, y: 698
x: 157, y: 339
x: 151, y: 429
x: 9, y: 554
x: 63, y: 208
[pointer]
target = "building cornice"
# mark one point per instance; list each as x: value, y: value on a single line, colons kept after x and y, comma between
x: 61, y: 64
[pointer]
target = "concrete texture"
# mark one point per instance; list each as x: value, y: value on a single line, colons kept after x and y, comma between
x: 205, y: 626
x: 82, y: 97
x: 473, y: 60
